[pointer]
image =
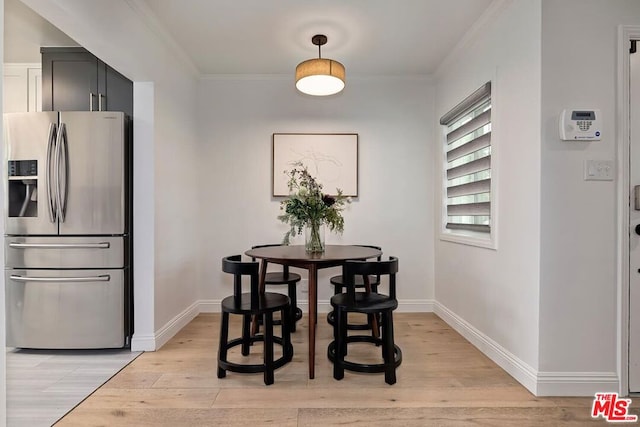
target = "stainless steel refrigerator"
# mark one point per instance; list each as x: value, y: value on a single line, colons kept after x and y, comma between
x: 67, y: 230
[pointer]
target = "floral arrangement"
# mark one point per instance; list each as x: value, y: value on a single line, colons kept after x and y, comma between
x: 308, y: 206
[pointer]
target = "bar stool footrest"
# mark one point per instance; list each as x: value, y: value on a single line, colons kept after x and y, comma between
x: 365, y: 367
x: 259, y: 367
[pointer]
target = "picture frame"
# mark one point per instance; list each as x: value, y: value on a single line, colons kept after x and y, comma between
x: 331, y: 158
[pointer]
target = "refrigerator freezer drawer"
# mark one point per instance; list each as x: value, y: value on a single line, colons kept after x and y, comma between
x: 64, y: 252
x: 65, y: 309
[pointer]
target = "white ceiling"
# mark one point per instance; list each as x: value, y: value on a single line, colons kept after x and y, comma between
x: 370, y: 37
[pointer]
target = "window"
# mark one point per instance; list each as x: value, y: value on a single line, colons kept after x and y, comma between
x: 467, y: 162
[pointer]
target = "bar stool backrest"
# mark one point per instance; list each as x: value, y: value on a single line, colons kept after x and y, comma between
x: 365, y: 268
x: 234, y: 265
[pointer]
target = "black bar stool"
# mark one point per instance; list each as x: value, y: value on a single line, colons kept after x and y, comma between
x: 247, y: 305
x: 369, y: 283
x: 370, y: 303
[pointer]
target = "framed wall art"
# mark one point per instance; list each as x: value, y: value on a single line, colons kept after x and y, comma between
x: 331, y: 158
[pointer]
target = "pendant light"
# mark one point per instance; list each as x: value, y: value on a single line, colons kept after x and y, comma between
x: 320, y: 76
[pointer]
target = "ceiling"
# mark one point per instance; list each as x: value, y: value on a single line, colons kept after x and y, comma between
x: 370, y: 37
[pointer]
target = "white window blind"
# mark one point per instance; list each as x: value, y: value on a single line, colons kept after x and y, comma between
x: 468, y: 163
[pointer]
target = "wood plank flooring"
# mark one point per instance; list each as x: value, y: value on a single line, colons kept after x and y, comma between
x: 443, y: 381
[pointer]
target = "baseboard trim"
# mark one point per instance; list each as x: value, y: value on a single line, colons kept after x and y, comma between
x: 538, y: 383
x: 168, y: 331
x: 209, y: 305
x: 416, y: 305
x: 143, y: 342
x: 576, y: 383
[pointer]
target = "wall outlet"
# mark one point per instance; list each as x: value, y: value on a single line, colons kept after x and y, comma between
x: 599, y: 170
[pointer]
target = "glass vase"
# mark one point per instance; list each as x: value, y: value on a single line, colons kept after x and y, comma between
x: 314, y: 238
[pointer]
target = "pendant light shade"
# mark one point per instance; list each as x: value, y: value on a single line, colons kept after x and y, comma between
x: 320, y: 76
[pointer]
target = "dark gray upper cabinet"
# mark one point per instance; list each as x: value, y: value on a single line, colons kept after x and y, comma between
x: 73, y: 79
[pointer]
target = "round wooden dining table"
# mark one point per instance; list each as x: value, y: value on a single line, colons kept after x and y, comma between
x: 296, y: 256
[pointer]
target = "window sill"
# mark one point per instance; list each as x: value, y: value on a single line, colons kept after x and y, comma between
x: 470, y: 238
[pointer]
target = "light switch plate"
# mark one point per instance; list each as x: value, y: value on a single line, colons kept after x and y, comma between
x: 599, y: 170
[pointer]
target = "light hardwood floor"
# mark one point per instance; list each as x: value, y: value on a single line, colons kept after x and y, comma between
x: 443, y: 381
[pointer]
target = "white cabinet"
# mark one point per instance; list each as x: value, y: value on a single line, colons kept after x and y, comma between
x: 34, y: 88
x: 22, y: 88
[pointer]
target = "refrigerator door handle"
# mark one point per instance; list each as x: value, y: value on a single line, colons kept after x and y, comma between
x: 101, y: 245
x: 101, y: 278
x: 61, y: 171
x: 51, y: 139
x: 65, y: 171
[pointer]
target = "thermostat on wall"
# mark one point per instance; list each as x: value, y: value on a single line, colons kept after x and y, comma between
x: 580, y: 125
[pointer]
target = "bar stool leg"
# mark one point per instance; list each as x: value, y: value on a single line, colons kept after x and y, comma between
x: 338, y: 367
x: 268, y: 348
x: 246, y: 336
x: 388, y: 348
x: 294, y: 304
x: 287, y: 348
x: 222, y: 348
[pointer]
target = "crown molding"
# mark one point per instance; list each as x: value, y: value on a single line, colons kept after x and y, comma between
x: 280, y: 77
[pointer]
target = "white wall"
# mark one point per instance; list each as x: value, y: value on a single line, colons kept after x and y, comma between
x: 491, y: 296
x: 392, y: 117
x: 121, y: 33
x: 543, y: 305
x: 578, y: 266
